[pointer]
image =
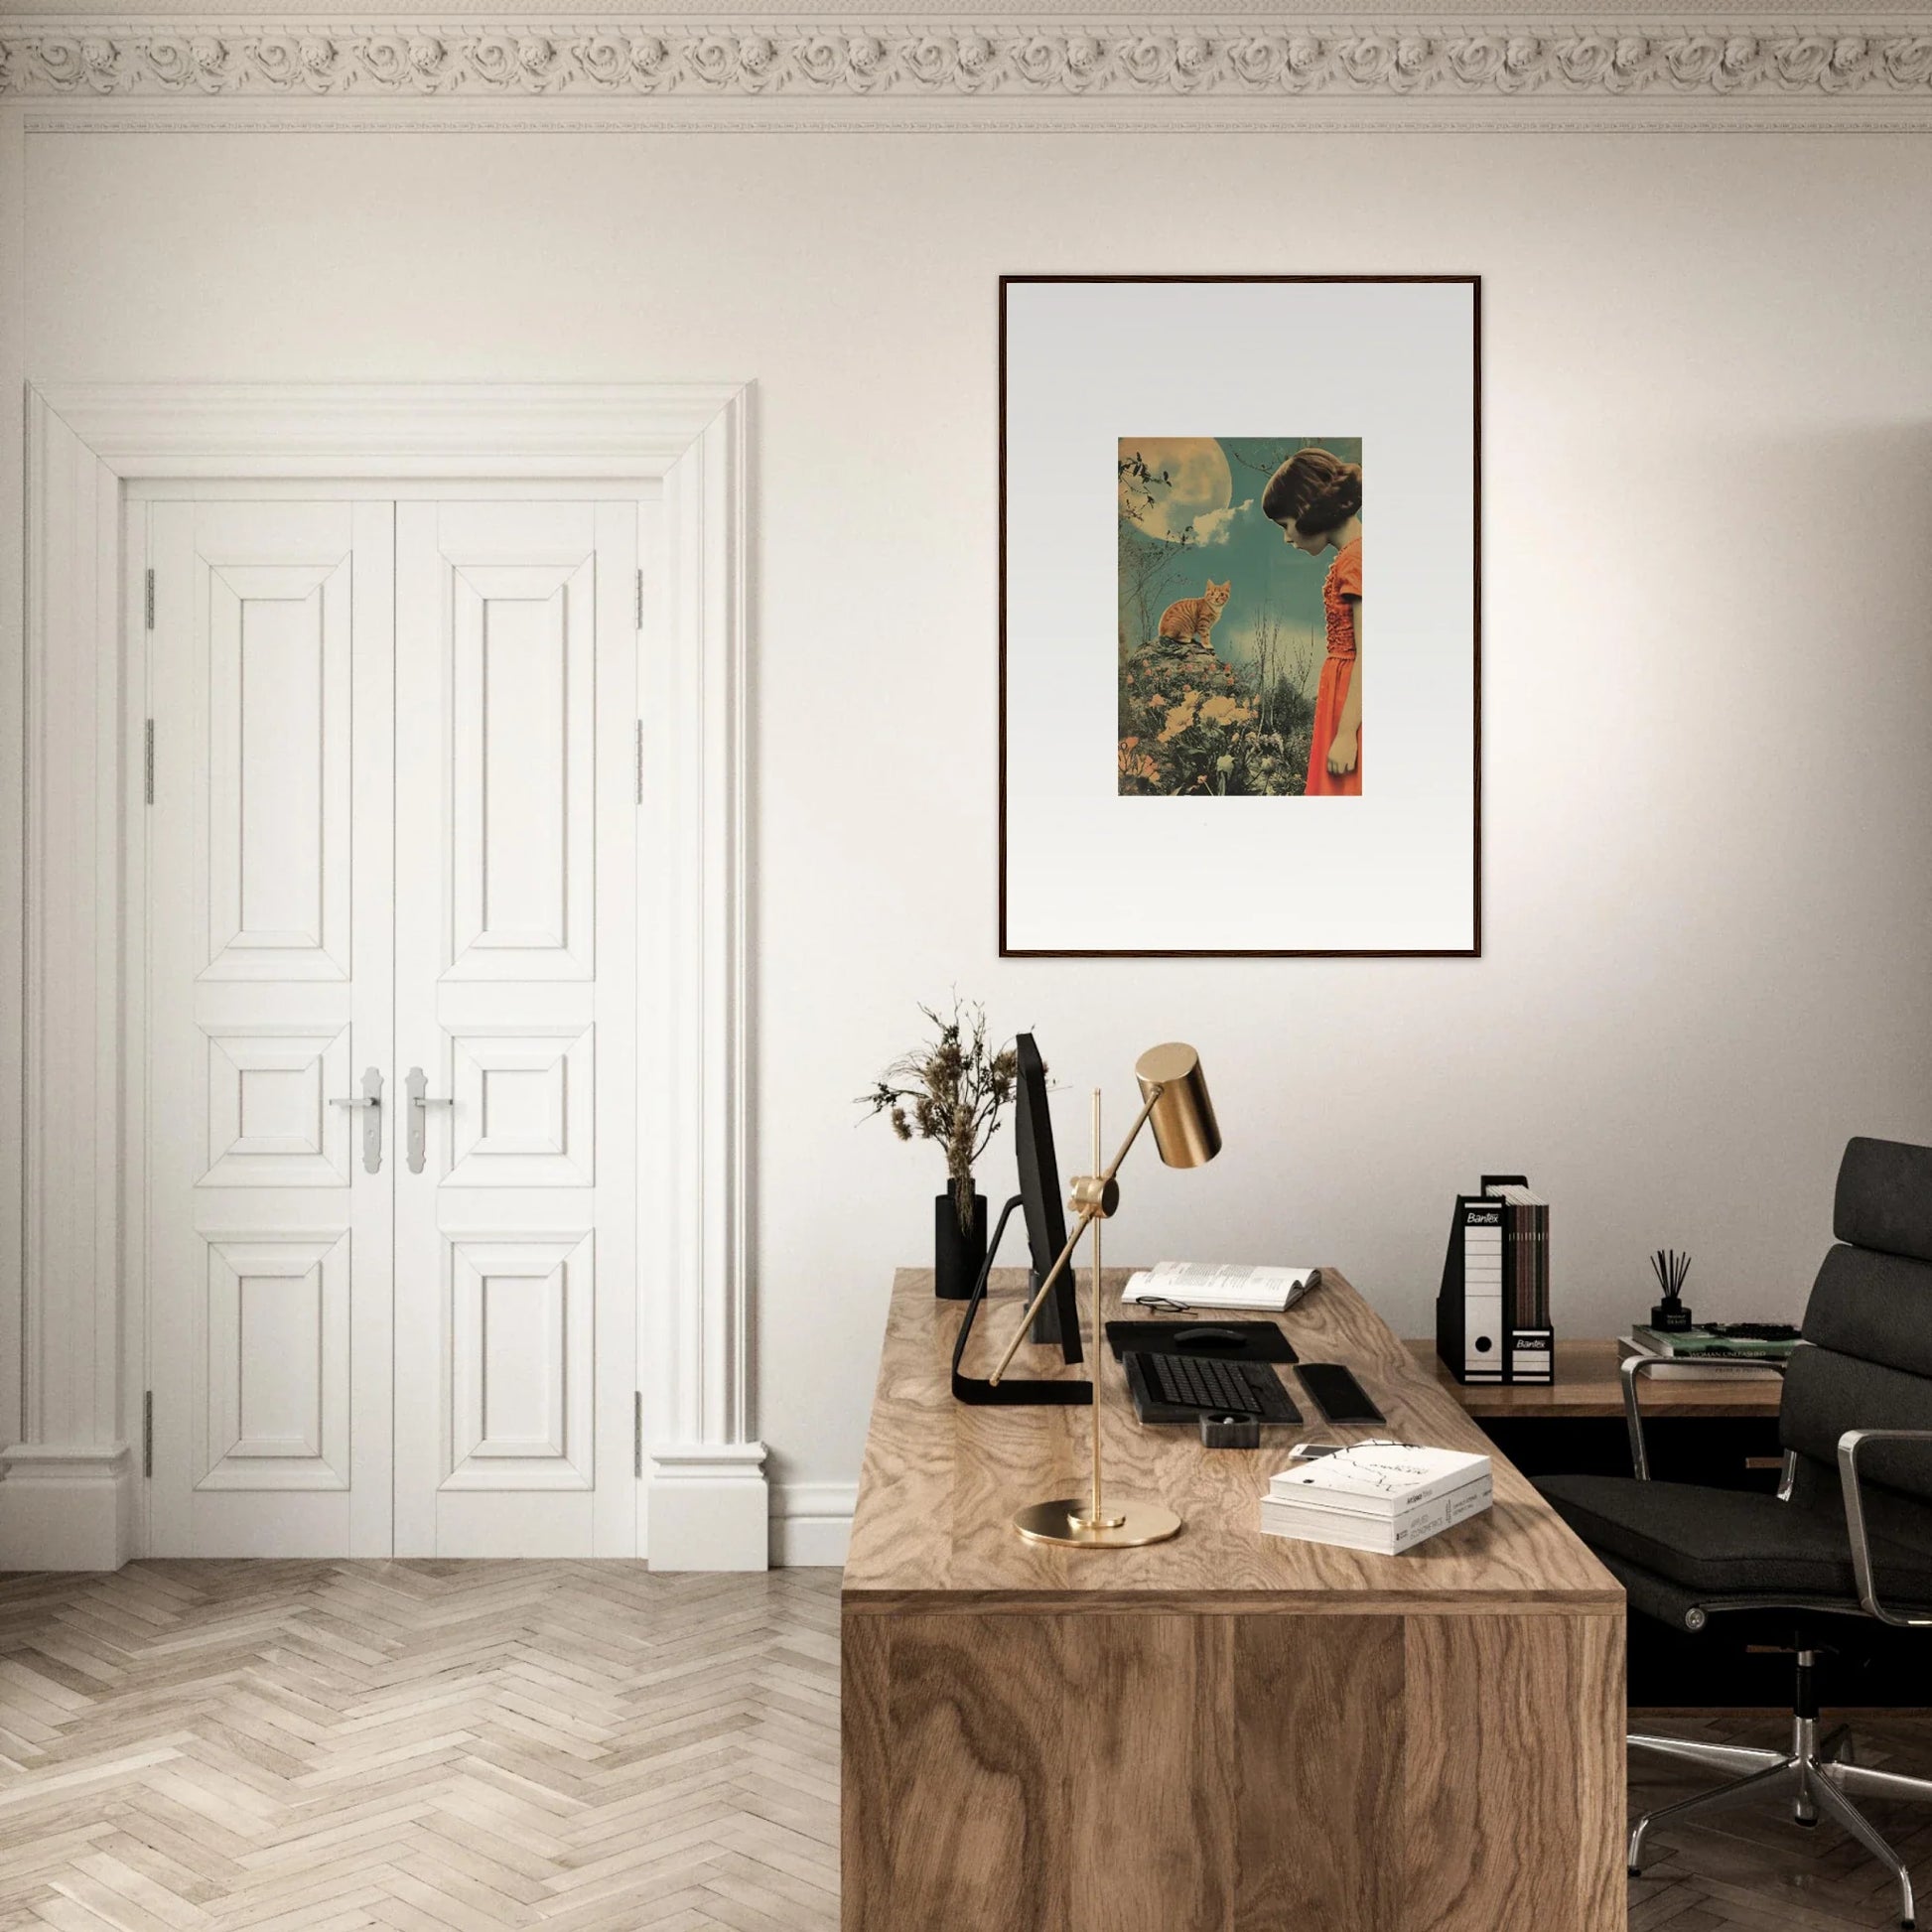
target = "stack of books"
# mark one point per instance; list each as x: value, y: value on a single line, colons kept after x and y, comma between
x: 1684, y: 1352
x: 1380, y: 1496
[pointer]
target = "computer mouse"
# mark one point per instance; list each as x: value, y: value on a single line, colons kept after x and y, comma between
x: 1208, y: 1338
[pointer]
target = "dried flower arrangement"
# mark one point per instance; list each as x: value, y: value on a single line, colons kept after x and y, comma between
x: 951, y: 1091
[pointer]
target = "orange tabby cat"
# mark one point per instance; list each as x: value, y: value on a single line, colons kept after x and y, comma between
x: 1188, y: 620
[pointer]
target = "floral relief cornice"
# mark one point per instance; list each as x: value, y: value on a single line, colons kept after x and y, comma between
x: 1124, y: 60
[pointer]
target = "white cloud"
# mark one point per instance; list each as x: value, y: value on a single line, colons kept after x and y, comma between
x: 1213, y: 527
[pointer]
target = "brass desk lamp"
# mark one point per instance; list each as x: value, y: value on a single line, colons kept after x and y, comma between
x: 1175, y: 1101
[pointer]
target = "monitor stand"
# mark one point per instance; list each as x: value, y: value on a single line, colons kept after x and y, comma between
x: 1011, y: 1391
x: 1046, y: 1324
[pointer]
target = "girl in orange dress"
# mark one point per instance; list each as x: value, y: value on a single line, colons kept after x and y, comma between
x: 1317, y: 499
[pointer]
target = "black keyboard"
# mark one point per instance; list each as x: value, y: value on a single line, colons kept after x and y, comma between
x: 1200, y: 1386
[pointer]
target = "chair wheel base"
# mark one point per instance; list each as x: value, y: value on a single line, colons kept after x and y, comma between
x: 1810, y: 1824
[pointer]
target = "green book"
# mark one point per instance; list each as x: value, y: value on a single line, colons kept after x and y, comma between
x: 1701, y: 1342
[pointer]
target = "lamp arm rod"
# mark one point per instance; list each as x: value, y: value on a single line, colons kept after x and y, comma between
x: 1088, y: 1215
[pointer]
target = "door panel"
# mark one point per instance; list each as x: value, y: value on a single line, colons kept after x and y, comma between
x: 521, y: 801
x: 270, y: 1123
x: 515, y: 982
x: 279, y: 792
x: 274, y: 1413
x: 269, y: 897
x: 526, y: 1103
x: 520, y: 1362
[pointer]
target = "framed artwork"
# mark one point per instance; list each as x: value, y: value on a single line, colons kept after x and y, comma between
x: 1240, y: 614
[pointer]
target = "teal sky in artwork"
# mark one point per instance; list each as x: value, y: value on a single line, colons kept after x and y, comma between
x: 1214, y: 494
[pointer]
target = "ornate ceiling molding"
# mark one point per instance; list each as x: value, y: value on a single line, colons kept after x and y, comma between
x: 1884, y: 70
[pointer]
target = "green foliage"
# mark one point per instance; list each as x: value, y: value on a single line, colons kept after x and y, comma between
x: 1193, y: 725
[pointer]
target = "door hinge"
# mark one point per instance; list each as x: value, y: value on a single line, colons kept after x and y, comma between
x: 147, y: 1433
x: 150, y: 600
x: 641, y: 760
x: 147, y: 758
x: 641, y: 599
x: 637, y: 1433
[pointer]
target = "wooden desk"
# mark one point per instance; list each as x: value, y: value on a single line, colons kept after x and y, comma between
x: 1587, y: 1386
x: 1227, y: 1730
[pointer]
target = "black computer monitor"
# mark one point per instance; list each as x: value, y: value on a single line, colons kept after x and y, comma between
x: 1039, y: 1200
x: 1039, y: 1196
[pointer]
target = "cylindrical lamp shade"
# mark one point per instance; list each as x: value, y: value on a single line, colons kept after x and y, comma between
x: 1184, y: 1127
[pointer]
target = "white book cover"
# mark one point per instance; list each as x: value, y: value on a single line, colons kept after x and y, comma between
x: 1382, y: 1478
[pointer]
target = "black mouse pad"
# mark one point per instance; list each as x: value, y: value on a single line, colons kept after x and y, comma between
x: 1221, y: 1342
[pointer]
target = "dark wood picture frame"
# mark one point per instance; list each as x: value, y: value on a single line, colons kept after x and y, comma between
x: 1474, y: 949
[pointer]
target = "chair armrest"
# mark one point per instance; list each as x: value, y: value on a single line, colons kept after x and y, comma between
x: 1849, y: 1446
x: 1635, y: 1367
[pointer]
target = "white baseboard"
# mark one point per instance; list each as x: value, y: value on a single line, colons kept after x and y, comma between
x: 65, y: 1507
x: 73, y: 1509
x: 812, y: 1523
x: 708, y: 1508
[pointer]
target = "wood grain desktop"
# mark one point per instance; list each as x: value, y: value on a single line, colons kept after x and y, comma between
x: 1227, y: 1730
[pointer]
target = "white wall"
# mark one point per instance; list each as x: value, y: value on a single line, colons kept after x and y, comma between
x: 1708, y: 661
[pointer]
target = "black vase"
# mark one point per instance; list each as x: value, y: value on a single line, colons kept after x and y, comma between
x: 957, y: 1256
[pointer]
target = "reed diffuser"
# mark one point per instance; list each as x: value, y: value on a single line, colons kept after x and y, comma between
x: 1670, y: 1315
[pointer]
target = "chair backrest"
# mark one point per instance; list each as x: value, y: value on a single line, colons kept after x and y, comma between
x: 1870, y: 1326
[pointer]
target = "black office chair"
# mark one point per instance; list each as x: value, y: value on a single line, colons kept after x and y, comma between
x: 1849, y: 1536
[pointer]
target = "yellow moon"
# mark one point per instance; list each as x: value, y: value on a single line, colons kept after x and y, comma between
x: 1198, y: 480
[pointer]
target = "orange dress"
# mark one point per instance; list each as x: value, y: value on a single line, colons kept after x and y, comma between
x: 1339, y: 589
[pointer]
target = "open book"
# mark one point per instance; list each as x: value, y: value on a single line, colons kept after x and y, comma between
x: 1213, y: 1285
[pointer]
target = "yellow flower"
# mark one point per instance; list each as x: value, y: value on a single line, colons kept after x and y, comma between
x: 1226, y: 711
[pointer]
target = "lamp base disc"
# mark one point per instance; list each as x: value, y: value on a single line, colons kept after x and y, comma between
x: 1054, y: 1522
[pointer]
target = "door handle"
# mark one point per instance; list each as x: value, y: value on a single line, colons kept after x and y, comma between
x: 370, y: 1098
x: 420, y: 1102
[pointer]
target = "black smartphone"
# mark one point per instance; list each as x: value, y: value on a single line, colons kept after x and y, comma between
x: 1337, y: 1393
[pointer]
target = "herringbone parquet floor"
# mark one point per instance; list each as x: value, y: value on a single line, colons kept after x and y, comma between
x: 460, y: 1747
x: 429, y: 1746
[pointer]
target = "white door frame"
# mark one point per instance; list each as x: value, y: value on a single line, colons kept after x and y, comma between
x: 70, y: 1458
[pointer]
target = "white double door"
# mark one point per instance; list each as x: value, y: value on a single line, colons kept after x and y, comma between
x: 390, y: 860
